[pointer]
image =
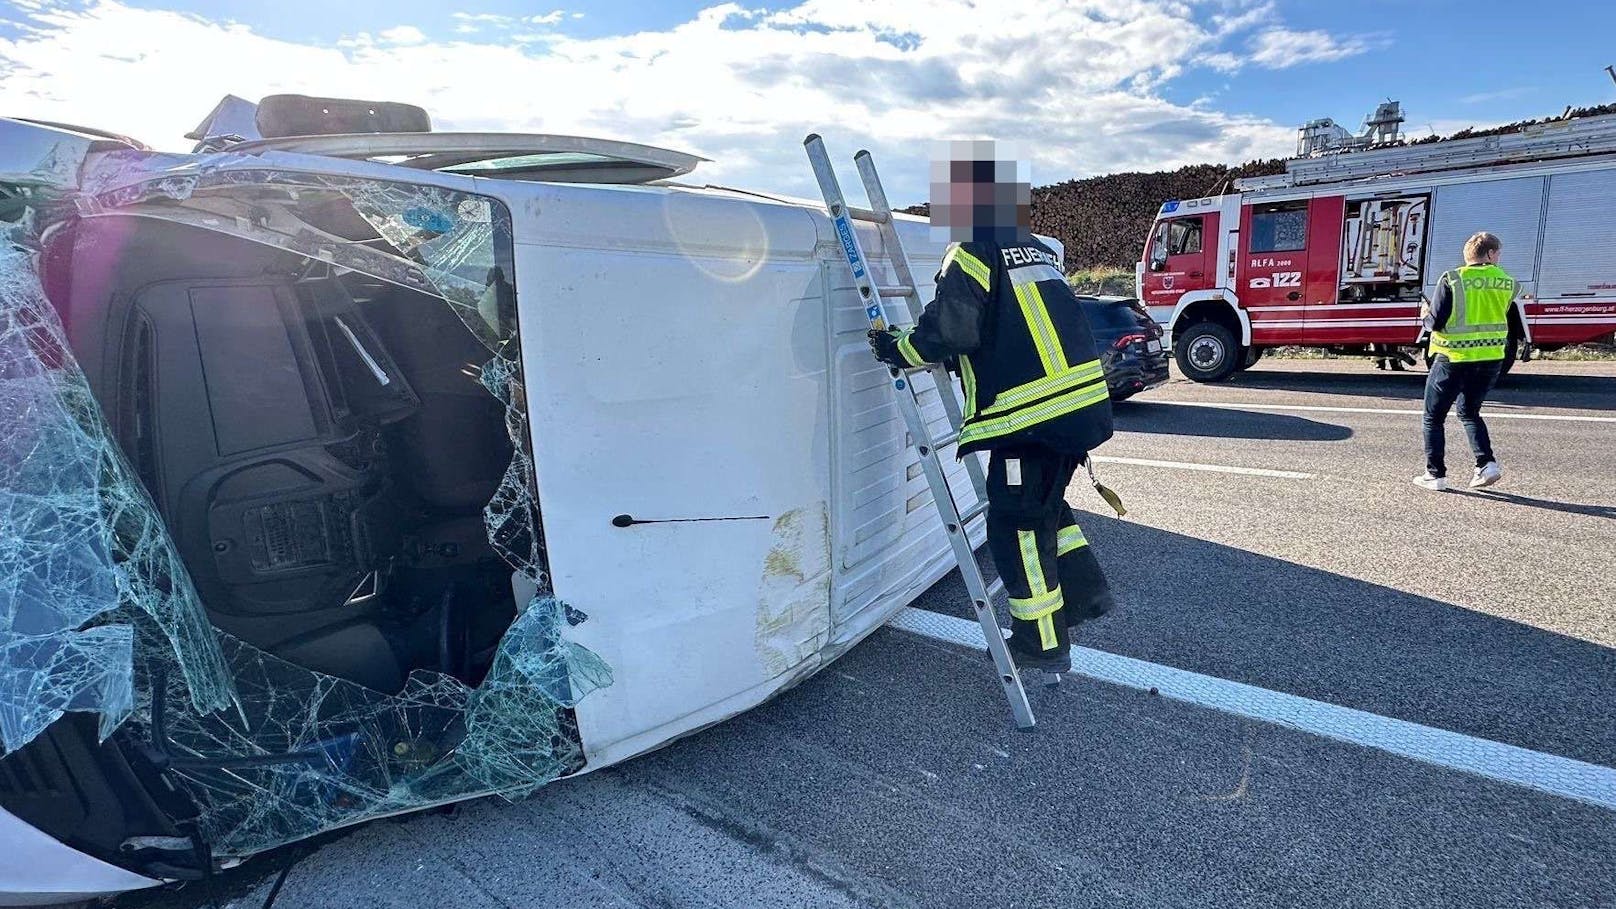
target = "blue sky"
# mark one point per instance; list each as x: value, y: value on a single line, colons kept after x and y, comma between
x: 1090, y: 86
x: 1446, y: 60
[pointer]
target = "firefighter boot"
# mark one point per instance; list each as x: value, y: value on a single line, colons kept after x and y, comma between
x: 1026, y: 649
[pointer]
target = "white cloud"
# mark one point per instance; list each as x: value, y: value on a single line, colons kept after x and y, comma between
x: 468, y: 23
x: 1237, y: 19
x: 1280, y: 48
x: 1077, y: 82
x: 471, y: 23
x: 403, y: 34
x: 1505, y: 94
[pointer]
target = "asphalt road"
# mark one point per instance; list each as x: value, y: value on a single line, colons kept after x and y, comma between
x: 893, y: 778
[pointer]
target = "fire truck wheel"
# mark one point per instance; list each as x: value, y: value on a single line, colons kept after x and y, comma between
x: 1207, y: 352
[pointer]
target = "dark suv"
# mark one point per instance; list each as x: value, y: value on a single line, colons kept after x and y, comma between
x: 1130, y: 342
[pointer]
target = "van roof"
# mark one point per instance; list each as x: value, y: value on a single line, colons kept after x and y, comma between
x: 503, y: 156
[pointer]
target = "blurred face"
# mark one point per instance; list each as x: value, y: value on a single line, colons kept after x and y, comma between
x: 979, y: 192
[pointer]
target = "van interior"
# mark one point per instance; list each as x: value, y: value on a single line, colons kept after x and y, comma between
x: 317, y: 441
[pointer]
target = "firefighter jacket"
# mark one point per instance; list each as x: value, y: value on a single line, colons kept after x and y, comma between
x: 1025, y: 352
x: 1476, y: 324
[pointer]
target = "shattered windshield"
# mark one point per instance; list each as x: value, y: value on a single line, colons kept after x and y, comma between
x: 79, y: 542
x: 98, y: 609
x: 428, y: 238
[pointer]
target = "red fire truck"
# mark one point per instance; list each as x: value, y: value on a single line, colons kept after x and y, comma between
x: 1338, y: 251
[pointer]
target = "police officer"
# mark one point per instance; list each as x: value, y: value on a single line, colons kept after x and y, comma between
x: 1035, y: 397
x: 1469, y: 332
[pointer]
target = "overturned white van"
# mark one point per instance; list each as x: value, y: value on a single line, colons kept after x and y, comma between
x: 349, y: 474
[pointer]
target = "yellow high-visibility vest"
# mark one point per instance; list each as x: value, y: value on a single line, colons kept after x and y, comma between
x: 1478, y: 327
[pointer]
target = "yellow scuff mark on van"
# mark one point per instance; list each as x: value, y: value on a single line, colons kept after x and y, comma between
x: 780, y: 563
x: 793, y: 618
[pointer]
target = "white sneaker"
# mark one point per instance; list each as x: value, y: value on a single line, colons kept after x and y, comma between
x: 1435, y: 484
x: 1486, y: 475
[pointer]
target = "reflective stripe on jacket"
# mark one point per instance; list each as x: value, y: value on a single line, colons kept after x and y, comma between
x: 1025, y: 350
x: 1478, y: 328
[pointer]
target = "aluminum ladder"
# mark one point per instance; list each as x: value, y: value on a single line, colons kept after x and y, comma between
x: 874, y: 298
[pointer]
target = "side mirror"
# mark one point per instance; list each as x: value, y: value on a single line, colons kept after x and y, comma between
x: 1158, y: 263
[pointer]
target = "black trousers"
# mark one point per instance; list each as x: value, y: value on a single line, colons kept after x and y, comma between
x: 1468, y: 384
x: 1049, y: 571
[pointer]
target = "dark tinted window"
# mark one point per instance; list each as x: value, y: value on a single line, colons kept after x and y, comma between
x: 1184, y: 236
x: 1279, y: 228
x: 1111, y: 318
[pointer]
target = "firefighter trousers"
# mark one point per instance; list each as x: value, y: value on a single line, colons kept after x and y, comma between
x: 1050, y: 573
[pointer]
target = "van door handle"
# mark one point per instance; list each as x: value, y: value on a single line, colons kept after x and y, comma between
x: 1195, y: 274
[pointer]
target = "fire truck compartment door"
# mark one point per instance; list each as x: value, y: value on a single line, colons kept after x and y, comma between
x: 1576, y: 232
x: 1512, y: 209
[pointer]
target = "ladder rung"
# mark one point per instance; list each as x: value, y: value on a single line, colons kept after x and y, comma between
x: 866, y: 214
x: 938, y: 370
x: 944, y: 440
x: 899, y: 290
x: 974, y: 512
x: 995, y: 587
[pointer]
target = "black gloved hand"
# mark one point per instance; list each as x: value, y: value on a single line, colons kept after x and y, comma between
x: 884, y: 344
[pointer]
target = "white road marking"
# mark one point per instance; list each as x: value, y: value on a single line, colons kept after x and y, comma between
x: 1210, y: 468
x: 1486, y: 414
x: 1561, y: 776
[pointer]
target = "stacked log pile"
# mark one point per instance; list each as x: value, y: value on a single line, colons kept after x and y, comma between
x: 1103, y: 220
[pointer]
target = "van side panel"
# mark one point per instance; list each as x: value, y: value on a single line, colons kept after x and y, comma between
x: 890, y: 544
x: 675, y: 359
x: 697, y: 361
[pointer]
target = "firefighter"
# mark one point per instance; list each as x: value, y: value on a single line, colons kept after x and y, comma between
x: 1469, y: 333
x: 1008, y: 324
